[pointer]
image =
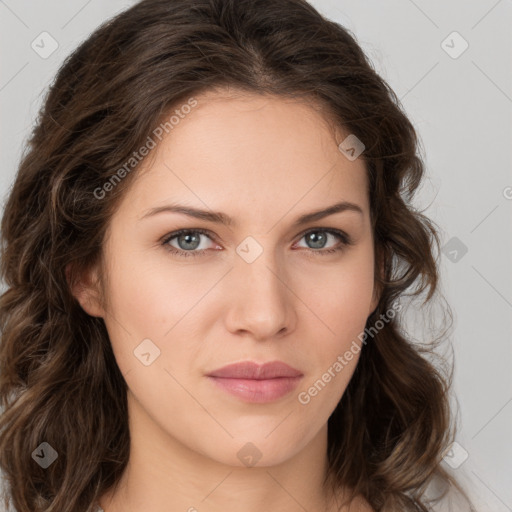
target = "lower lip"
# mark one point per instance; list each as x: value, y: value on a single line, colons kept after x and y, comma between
x: 258, y: 391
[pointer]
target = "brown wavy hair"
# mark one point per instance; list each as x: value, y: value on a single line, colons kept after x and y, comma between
x: 59, y: 381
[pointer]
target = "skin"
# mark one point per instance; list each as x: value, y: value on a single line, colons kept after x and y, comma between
x: 264, y: 161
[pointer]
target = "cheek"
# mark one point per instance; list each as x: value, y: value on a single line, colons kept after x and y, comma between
x: 160, y: 301
x: 157, y: 294
x: 341, y: 294
x: 341, y: 300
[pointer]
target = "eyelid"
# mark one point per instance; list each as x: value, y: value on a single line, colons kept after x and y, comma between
x: 345, y: 237
x: 345, y: 240
x: 170, y: 236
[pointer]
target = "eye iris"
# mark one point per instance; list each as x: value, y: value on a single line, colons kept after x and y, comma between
x: 188, y: 238
x: 317, y: 237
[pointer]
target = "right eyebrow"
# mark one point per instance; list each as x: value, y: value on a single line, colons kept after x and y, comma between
x: 210, y: 216
x: 222, y: 218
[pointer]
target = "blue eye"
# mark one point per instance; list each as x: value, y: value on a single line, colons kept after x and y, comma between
x: 319, y: 238
x: 189, y: 241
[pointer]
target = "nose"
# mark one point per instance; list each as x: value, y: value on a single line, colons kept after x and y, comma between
x: 261, y: 303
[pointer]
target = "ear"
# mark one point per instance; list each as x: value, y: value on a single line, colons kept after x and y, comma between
x: 87, y: 291
x: 377, y: 291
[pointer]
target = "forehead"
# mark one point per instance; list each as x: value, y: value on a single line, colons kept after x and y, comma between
x: 236, y: 149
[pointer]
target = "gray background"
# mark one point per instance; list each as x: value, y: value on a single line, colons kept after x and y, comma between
x: 460, y: 103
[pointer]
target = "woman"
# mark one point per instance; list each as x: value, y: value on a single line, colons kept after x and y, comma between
x: 204, y: 251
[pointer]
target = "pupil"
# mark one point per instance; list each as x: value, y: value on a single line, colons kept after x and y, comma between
x: 317, y: 239
x: 189, y: 239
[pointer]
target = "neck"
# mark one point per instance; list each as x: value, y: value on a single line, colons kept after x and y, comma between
x: 165, y: 474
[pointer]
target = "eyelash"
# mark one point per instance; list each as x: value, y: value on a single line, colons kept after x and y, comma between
x: 343, y: 237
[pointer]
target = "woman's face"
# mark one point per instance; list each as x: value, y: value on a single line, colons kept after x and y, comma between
x: 261, y: 288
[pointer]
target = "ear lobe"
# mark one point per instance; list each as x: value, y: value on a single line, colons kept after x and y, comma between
x: 86, y: 291
x: 375, y: 300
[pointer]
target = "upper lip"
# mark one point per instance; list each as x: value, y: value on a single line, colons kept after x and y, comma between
x: 252, y: 370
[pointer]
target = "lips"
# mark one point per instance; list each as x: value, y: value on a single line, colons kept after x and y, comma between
x: 255, y: 383
x: 251, y: 370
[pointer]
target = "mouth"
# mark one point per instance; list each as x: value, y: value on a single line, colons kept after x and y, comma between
x: 258, y: 390
x: 255, y: 383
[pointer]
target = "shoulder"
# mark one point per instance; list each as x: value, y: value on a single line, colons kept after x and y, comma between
x: 357, y: 503
x: 351, y: 502
x: 361, y: 505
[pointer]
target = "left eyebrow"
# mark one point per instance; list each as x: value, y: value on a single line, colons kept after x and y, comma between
x: 344, y: 206
x: 222, y: 218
